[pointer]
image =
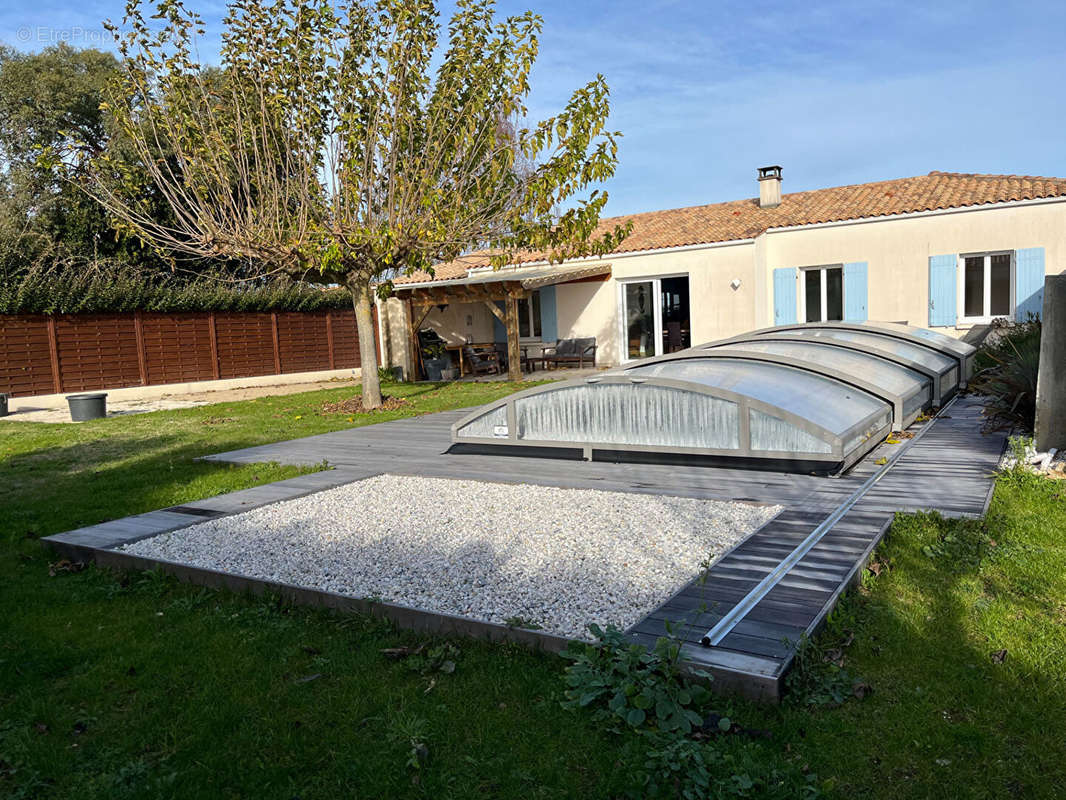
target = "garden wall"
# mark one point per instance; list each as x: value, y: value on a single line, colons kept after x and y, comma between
x: 42, y: 354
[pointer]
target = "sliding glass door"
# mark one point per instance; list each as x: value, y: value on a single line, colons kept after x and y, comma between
x: 655, y: 316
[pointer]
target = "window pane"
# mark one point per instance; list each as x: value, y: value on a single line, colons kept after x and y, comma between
x: 523, y: 317
x: 640, y: 320
x: 1000, y: 280
x: 812, y: 290
x: 536, y: 314
x: 974, y: 288
x: 834, y: 294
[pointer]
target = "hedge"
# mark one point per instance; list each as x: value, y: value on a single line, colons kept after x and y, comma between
x: 73, y: 291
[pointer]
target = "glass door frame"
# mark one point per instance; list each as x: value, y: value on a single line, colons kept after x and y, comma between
x: 657, y: 311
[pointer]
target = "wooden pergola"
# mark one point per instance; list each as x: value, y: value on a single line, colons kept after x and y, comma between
x: 506, y: 286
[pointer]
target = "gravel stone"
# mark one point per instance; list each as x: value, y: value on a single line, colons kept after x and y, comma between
x: 560, y: 558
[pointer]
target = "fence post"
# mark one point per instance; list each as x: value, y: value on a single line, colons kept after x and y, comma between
x: 213, y: 339
x: 277, y: 344
x: 142, y: 356
x: 53, y: 352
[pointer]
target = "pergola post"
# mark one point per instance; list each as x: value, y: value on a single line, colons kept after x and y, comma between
x: 514, y: 356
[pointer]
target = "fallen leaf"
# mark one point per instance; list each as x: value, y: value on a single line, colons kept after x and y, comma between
x: 834, y: 655
x: 861, y: 689
x: 999, y: 656
x: 401, y: 652
x: 65, y: 565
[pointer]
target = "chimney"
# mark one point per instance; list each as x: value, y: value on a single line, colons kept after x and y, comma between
x: 769, y: 187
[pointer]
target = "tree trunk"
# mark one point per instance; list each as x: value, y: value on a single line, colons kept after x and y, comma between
x: 363, y: 299
x: 514, y: 352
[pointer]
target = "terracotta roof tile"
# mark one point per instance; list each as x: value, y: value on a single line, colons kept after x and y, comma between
x: 744, y: 219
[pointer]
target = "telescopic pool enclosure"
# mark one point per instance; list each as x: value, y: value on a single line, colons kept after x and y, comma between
x: 814, y: 397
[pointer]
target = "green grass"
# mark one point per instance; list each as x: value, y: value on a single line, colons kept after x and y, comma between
x: 58, y: 477
x: 136, y: 686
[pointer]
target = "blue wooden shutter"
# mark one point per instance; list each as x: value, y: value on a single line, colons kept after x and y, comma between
x: 943, y: 271
x: 1029, y: 282
x: 499, y: 330
x: 785, y: 296
x: 549, y: 324
x: 855, y: 291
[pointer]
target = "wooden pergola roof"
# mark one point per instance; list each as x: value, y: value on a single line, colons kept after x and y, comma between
x: 488, y: 287
x: 497, y: 283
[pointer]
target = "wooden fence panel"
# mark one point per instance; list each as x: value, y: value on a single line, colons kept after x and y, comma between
x: 25, y: 360
x: 245, y: 345
x: 345, y: 340
x: 177, y: 347
x: 97, y: 351
x: 74, y: 353
x: 303, y: 342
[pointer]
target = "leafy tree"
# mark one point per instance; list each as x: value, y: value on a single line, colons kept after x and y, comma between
x: 50, y: 100
x: 328, y: 146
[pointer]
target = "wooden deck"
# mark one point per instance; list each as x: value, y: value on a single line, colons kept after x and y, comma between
x: 950, y: 470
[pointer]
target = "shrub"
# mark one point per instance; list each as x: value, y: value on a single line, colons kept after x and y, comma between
x: 1008, y: 371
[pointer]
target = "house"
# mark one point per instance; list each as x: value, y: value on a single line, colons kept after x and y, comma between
x: 949, y: 251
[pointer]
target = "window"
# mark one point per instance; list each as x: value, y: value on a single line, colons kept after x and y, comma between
x: 823, y: 294
x: 529, y: 317
x: 987, y: 285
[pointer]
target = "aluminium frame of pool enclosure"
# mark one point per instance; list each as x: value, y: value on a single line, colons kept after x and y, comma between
x: 800, y: 397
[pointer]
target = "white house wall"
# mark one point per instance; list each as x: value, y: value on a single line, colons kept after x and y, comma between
x: 896, y: 250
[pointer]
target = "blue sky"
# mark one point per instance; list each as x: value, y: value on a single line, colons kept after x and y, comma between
x: 705, y: 92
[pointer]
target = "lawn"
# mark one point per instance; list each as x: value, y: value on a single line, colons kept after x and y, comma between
x: 136, y: 686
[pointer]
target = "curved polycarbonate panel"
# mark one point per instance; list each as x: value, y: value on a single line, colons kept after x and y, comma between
x: 863, y: 436
x: 940, y: 340
x: 628, y: 414
x: 769, y: 433
x: 916, y: 353
x: 893, y: 377
x: 827, y: 403
x: 492, y: 424
x: 817, y: 396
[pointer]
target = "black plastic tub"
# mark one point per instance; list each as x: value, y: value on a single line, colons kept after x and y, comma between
x: 87, y: 406
x: 3, y: 404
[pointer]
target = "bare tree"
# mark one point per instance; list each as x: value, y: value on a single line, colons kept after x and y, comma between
x: 327, y: 147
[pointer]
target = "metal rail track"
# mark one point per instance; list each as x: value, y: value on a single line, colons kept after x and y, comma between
x: 752, y: 598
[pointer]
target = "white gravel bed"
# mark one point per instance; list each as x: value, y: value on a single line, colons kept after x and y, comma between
x: 560, y: 558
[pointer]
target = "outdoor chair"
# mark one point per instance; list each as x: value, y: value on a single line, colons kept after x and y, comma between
x: 481, y: 361
x: 577, y: 352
